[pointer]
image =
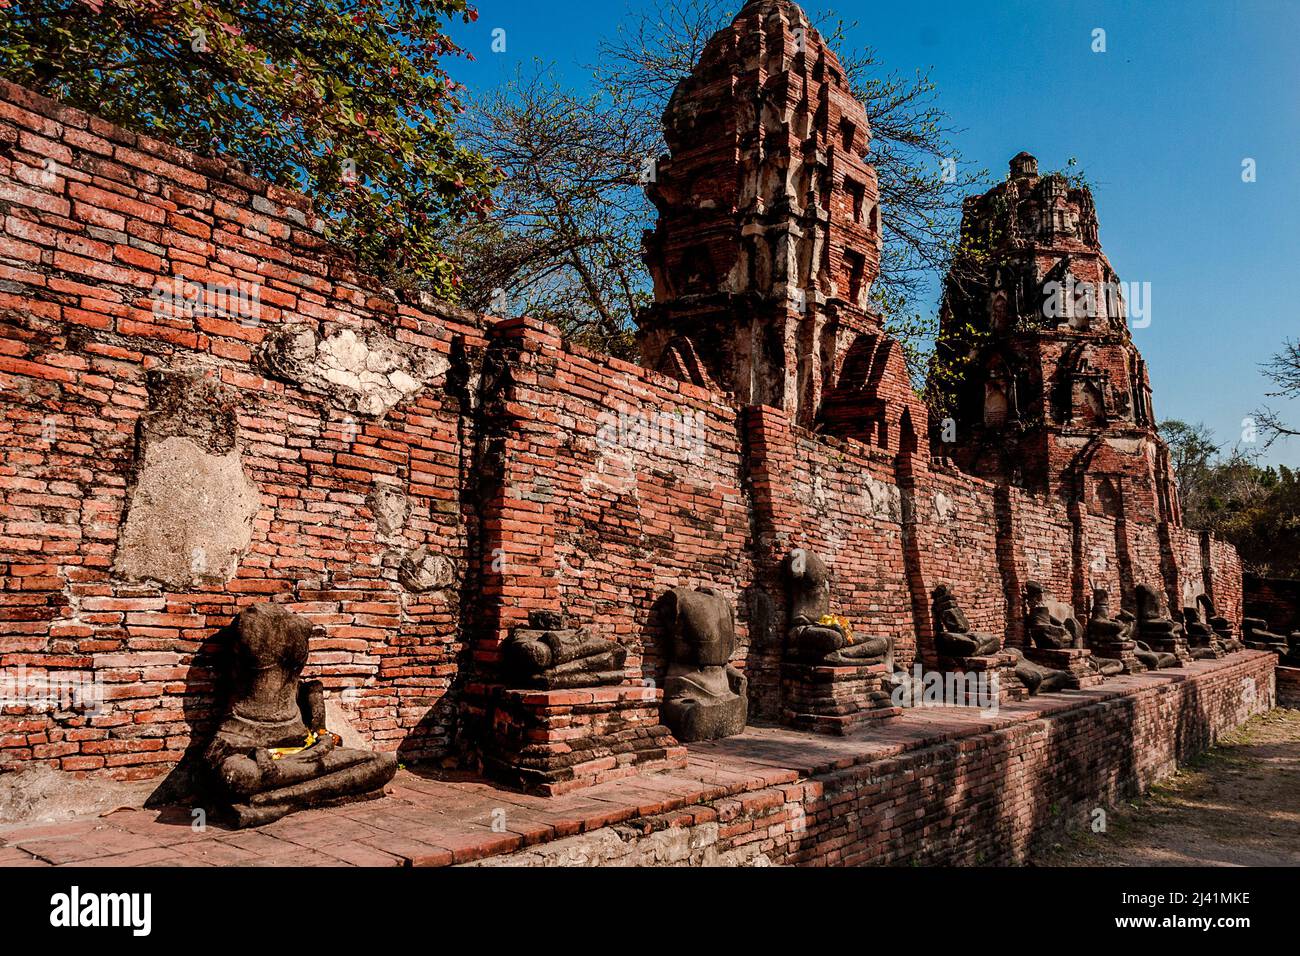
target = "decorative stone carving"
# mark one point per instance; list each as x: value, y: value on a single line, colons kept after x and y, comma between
x: 704, y: 696
x: 549, y: 654
x: 952, y: 634
x: 816, y: 636
x: 365, y: 372
x: 273, y: 754
x: 421, y: 571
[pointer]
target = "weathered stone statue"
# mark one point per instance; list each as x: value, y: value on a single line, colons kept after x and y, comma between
x: 1050, y: 624
x: 1201, y: 638
x: 1039, y: 679
x: 952, y: 634
x: 1260, y: 638
x: 704, y: 696
x: 273, y: 754
x: 814, y: 638
x: 1110, y: 638
x: 1157, y: 632
x: 1228, y: 638
x: 552, y: 656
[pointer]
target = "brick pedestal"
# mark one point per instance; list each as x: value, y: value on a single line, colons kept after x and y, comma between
x: 555, y: 741
x: 1004, y: 664
x: 1072, y: 659
x: 834, y: 700
x: 1125, y: 654
x: 1170, y: 645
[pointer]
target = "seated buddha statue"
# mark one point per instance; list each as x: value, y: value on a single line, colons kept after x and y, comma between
x: 1259, y: 637
x: 1105, y: 631
x: 1153, y: 624
x: 953, y: 636
x: 273, y: 754
x: 552, y: 656
x: 1109, y: 638
x: 1049, y: 623
x: 815, y: 637
x: 704, y: 696
x: 1228, y: 638
x: 1201, y: 638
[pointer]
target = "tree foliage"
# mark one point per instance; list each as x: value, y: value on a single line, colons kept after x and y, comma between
x: 1227, y: 492
x: 1283, y: 369
x: 343, y: 99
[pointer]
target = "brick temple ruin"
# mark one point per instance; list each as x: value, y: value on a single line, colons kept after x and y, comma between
x: 564, y: 569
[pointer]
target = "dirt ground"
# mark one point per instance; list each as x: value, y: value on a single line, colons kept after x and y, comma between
x: 1237, y: 805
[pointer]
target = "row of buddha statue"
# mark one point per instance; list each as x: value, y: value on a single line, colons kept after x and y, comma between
x: 272, y: 752
x: 1258, y: 636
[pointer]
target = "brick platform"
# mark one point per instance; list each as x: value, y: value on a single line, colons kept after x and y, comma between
x: 834, y: 700
x: 1002, y: 664
x: 556, y: 741
x: 935, y: 786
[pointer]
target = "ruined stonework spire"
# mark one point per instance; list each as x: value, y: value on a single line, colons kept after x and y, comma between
x: 1045, y: 389
x: 768, y: 237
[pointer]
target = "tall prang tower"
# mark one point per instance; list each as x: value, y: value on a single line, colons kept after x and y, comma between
x: 1048, y: 391
x: 768, y: 237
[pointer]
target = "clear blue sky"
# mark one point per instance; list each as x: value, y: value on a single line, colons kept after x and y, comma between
x: 1160, y: 123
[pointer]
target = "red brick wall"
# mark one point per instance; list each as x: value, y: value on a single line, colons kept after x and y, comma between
x: 955, y: 542
x: 639, y: 487
x: 513, y: 467
x: 839, y: 499
x: 84, y: 242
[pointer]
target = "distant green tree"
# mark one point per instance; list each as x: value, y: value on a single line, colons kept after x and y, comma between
x: 343, y: 99
x: 1256, y: 509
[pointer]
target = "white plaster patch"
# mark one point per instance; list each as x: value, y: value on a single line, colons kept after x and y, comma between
x: 367, y: 372
x: 190, y: 519
x: 882, y: 500
x: 945, y: 509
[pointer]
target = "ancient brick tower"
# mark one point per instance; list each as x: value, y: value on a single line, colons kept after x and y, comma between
x: 768, y: 237
x: 1053, y: 395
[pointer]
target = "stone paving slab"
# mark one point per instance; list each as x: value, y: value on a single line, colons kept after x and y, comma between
x: 446, y: 818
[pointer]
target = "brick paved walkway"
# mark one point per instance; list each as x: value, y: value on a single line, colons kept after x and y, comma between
x: 442, y: 819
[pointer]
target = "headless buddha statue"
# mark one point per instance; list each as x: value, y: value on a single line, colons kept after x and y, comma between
x: 550, y: 655
x: 704, y: 696
x: 1050, y: 624
x: 810, y: 640
x: 272, y: 754
x: 1202, y: 639
x: 1153, y: 625
x: 1228, y: 638
x: 952, y: 634
x: 1260, y: 638
x: 1039, y: 679
x: 1109, y: 637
